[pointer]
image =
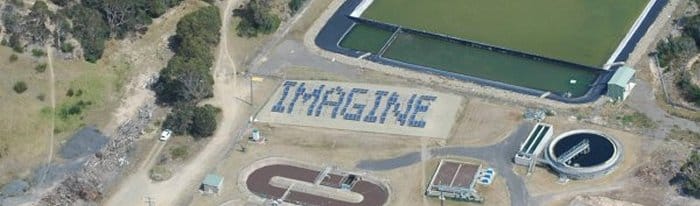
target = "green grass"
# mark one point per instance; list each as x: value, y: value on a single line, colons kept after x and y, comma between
x: 366, y: 38
x: 580, y: 31
x: 490, y: 65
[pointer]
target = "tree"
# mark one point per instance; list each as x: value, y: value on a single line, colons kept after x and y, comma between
x: 35, y: 23
x: 62, y: 2
x: 196, y: 121
x: 187, y: 77
x: 690, y: 175
x: 675, y: 51
x: 204, y: 121
x: 256, y: 17
x: 158, y: 7
x: 20, y: 87
x: 295, y: 5
x: 90, y: 30
x: 180, y: 119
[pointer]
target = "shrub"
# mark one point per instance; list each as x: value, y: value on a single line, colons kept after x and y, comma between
x: 689, y: 90
x: 187, y: 78
x: 41, y: 68
x: 38, y: 53
x: 179, y: 152
x: 204, y: 121
x: 20, y: 87
x: 675, y: 51
x: 160, y: 173
x: 70, y: 93
x: 690, y: 175
x: 67, y: 47
x: 41, y: 97
x: 295, y: 5
x: 196, y: 121
x: 256, y: 17
x: 13, y: 58
x: 179, y: 119
x: 15, y: 43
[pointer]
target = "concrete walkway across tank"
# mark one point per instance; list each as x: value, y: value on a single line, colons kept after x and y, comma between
x: 499, y: 156
x: 258, y: 182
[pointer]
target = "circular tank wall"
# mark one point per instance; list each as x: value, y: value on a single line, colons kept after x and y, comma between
x: 602, y: 156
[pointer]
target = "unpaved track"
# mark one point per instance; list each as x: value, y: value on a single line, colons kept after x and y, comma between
x: 52, y: 90
x: 137, y: 187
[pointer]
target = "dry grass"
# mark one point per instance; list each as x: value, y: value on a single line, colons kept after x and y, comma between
x: 544, y: 182
x: 25, y: 132
x: 685, y: 136
x: 481, y: 123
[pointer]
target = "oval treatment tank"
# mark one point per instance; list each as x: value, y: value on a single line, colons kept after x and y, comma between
x: 583, y: 154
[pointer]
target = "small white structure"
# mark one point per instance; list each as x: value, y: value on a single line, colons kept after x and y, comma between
x: 256, y: 137
x: 212, y: 184
x: 620, y: 85
x: 536, y: 141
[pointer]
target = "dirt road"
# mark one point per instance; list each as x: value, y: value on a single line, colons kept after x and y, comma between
x: 135, y: 188
x: 52, y: 90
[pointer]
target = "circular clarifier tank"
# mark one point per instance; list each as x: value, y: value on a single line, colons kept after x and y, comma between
x: 583, y: 154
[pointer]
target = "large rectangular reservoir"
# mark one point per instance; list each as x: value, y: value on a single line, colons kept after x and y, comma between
x: 580, y: 31
x: 560, y: 50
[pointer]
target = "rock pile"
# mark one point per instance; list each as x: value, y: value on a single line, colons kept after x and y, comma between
x: 87, y: 184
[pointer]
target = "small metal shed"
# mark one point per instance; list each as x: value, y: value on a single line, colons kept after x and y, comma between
x: 212, y: 184
x: 620, y: 85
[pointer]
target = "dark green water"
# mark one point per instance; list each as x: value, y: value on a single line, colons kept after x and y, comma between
x: 481, y: 63
x: 366, y: 38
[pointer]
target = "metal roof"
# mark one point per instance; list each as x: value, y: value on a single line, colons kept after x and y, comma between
x: 213, y: 180
x: 622, y: 76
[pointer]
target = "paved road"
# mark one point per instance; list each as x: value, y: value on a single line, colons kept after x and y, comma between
x: 499, y: 156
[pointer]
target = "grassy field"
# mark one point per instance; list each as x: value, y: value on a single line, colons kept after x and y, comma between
x: 580, y: 31
x: 25, y: 128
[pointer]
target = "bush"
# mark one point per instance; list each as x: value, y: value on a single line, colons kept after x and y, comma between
x: 15, y: 43
x: 180, y: 119
x: 295, y: 5
x: 187, y: 78
x: 160, y: 173
x: 204, y: 121
x: 90, y: 29
x: 20, y: 87
x: 675, y: 51
x: 41, y: 68
x: 196, y: 121
x: 13, y: 58
x: 38, y: 53
x: 41, y: 97
x: 256, y: 17
x: 179, y: 152
x: 67, y: 47
x: 689, y: 90
x: 690, y: 175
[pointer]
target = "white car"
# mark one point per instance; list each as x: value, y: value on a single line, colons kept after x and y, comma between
x: 165, y: 135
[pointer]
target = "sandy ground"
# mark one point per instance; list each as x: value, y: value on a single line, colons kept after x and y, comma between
x: 543, y: 183
x: 483, y: 123
x: 338, y: 148
x: 137, y: 186
x: 439, y: 118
